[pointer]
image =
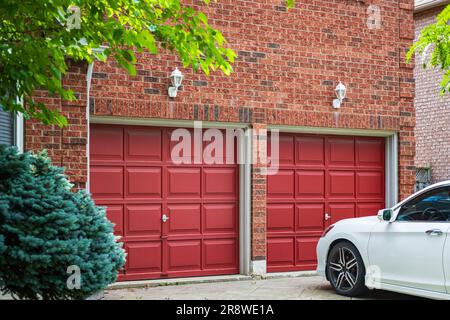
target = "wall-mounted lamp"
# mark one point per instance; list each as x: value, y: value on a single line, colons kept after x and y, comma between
x: 340, y: 91
x: 176, y: 78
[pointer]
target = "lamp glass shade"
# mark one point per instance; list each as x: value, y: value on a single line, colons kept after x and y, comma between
x: 176, y: 78
x: 341, y: 91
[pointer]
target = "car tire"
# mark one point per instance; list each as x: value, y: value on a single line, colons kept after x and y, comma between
x: 345, y: 270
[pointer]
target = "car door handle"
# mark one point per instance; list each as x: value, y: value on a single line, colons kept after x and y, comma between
x: 434, y: 232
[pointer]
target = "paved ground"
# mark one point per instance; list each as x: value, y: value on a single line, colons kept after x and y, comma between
x: 301, y: 288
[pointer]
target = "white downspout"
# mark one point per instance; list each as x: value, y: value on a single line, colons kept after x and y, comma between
x: 88, y: 89
x: 19, y: 129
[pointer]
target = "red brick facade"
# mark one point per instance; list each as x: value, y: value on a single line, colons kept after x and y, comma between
x: 289, y: 64
x: 433, y: 123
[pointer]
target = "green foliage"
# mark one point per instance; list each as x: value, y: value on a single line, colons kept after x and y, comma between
x: 433, y: 46
x: 45, y: 228
x: 37, y: 37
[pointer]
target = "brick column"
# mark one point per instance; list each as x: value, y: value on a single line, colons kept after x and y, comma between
x: 406, y: 169
x: 259, y: 190
x: 67, y: 146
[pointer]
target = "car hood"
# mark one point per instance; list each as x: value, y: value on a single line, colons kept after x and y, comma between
x: 371, y: 220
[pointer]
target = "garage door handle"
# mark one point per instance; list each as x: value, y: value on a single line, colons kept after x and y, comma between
x: 434, y: 232
x: 165, y: 218
x: 327, y: 216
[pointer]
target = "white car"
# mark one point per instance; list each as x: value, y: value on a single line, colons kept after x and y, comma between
x: 403, y: 249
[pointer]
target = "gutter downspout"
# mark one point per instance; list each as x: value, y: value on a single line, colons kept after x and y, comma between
x: 19, y: 129
x: 88, y: 89
x: 88, y: 113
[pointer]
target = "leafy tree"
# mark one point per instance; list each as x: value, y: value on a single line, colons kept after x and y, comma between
x: 45, y: 228
x: 433, y: 47
x: 37, y: 38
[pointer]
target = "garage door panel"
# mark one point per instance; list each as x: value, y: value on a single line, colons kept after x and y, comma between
x: 280, y: 251
x: 341, y: 184
x: 220, y: 218
x: 280, y: 217
x: 220, y: 254
x: 310, y: 217
x: 281, y: 185
x: 310, y: 184
x: 306, y: 250
x: 368, y: 209
x: 339, y: 211
x: 143, y: 257
x: 144, y: 144
x: 115, y: 215
x: 370, y: 184
x: 216, y: 149
x: 286, y: 155
x: 106, y: 182
x: 219, y: 183
x: 370, y: 152
x: 106, y: 144
x: 181, y: 148
x: 184, y: 255
x: 341, y: 151
x: 143, y: 182
x: 184, y: 218
x: 143, y: 220
x: 183, y: 182
x: 310, y: 151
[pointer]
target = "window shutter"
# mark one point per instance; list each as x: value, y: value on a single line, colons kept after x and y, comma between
x: 6, y: 128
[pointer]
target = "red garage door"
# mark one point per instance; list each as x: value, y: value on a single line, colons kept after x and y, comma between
x: 131, y: 173
x: 340, y: 176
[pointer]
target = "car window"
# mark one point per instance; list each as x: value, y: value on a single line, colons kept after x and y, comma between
x: 431, y: 206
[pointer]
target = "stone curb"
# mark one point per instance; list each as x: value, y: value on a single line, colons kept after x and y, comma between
x: 198, y: 280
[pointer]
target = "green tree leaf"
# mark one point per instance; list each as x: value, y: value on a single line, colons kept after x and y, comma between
x: 37, y: 41
x: 432, y: 48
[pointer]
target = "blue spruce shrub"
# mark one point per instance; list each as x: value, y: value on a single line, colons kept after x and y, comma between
x: 46, y: 229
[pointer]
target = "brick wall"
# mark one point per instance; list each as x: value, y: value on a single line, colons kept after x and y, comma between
x: 432, y: 109
x: 289, y: 64
x: 67, y: 146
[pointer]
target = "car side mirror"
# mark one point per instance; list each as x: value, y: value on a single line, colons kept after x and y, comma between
x: 385, y: 214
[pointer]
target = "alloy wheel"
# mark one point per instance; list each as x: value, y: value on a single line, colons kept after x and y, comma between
x: 344, y: 269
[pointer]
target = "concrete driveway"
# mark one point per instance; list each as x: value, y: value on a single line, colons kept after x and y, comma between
x: 298, y: 288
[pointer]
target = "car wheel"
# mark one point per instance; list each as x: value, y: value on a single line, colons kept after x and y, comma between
x: 345, y: 270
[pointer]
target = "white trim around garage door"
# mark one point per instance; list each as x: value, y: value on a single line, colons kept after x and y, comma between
x: 391, y: 170
x: 244, y: 171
